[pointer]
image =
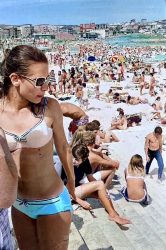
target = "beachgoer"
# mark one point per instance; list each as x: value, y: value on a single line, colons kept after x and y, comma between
x: 101, y: 136
x: 64, y: 80
x: 78, y: 116
x: 153, y: 149
x: 135, y: 78
x: 84, y: 103
x: 135, y: 190
x: 97, y: 91
x: 92, y: 188
x: 52, y: 84
x: 43, y: 203
x: 135, y: 100
x: 142, y: 82
x: 8, y: 191
x: 156, y: 113
x: 103, y: 167
x: 120, y: 122
x: 152, y: 85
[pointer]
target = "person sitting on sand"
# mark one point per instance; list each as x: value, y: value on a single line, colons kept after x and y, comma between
x: 101, y: 136
x: 109, y: 95
x: 156, y: 113
x: 115, y: 96
x: 93, y: 188
x: 158, y: 103
x: 103, y: 167
x: 120, y: 122
x: 135, y: 190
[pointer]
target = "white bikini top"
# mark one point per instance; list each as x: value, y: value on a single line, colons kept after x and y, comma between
x: 133, y: 177
x: 35, y: 137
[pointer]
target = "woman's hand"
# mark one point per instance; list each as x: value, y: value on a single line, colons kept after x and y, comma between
x: 71, y: 188
x: 84, y: 204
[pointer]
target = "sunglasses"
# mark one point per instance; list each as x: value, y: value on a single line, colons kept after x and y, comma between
x: 38, y: 82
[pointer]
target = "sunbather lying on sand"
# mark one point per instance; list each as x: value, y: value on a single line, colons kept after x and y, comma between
x: 135, y: 100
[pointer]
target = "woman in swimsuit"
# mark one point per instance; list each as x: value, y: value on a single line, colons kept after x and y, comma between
x: 136, y: 188
x: 32, y: 125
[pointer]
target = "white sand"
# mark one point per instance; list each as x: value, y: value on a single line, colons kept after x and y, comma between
x: 131, y: 140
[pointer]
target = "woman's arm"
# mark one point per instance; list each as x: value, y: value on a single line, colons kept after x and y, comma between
x: 62, y: 147
x: 83, y: 203
x: 8, y: 174
x: 96, y: 159
x: 90, y: 178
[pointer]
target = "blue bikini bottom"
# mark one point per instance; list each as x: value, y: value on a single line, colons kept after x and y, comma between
x: 36, y: 208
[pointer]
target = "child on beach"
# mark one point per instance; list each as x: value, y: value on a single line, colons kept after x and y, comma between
x: 135, y: 190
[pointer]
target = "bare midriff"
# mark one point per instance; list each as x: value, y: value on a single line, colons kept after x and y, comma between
x: 37, y: 176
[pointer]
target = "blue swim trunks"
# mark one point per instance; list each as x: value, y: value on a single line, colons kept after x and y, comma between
x: 37, y: 208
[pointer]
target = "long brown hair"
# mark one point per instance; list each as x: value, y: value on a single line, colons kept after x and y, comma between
x: 17, y: 60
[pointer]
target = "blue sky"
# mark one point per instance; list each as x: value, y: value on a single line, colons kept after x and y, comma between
x: 79, y: 11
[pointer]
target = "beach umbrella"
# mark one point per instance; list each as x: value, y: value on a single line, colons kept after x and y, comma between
x: 91, y: 59
x: 119, y: 58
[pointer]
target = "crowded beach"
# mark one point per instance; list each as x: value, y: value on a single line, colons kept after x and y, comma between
x: 114, y: 113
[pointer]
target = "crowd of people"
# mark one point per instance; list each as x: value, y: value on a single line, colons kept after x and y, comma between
x: 40, y: 196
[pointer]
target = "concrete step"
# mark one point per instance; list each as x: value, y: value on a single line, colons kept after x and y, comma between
x: 137, y: 233
x: 75, y: 239
x: 89, y: 228
x: 113, y: 233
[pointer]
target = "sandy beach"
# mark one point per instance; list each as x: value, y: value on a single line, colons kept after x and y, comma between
x: 131, y: 140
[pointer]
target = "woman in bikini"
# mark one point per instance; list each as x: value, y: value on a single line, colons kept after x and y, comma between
x: 135, y: 189
x: 32, y: 125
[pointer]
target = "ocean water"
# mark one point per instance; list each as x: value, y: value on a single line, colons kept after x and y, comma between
x: 136, y: 40
x: 140, y: 40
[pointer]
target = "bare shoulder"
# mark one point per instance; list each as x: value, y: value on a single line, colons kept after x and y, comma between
x: 94, y: 157
x: 148, y: 136
x: 53, y: 108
